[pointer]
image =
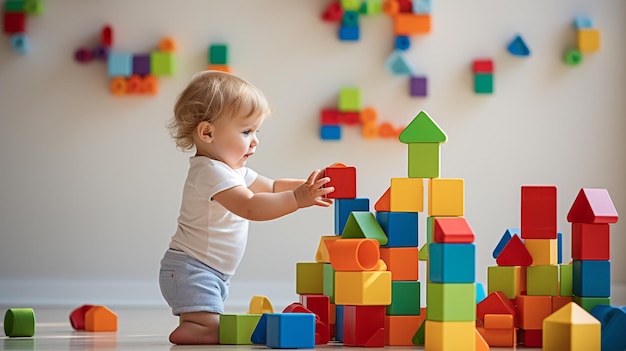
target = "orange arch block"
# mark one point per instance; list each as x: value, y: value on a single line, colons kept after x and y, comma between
x: 100, y: 319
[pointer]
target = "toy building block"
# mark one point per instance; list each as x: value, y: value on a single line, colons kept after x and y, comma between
x: 323, y: 255
x: 33, y: 7
x: 77, y: 317
x: 14, y: 5
x: 423, y: 129
x: 402, y: 42
x: 350, y: 18
x: 351, y: 118
x: 418, y: 86
x: 260, y: 304
x: 518, y: 47
x: 399, y: 330
x: 141, y: 64
x: 106, y: 36
x: 372, y: 288
x: 588, y: 40
x: 349, y: 33
x: 349, y: 99
x: 613, y: 324
x: 572, y: 57
x: 566, y: 275
x: 504, y: 240
x: 343, y: 178
x: 350, y: 5
x: 532, y: 310
x: 498, y: 330
x: 405, y: 298
x: 514, y: 254
x: 364, y: 326
x: 330, y: 132
x: 451, y: 302
x: 571, y: 328
x: 100, y: 53
x: 309, y: 278
x: 83, y: 55
x: 452, y: 230
x: 538, y: 214
x: 581, y: 22
x: 320, y: 306
x: 409, y: 23
x: 19, y: 322
x: 367, y: 115
x: 452, y: 263
x: 530, y: 338
x: 354, y: 255
x: 543, y: 251
x: 237, y: 329
x: 397, y: 64
x: 560, y: 301
x: 542, y: 280
x: 407, y: 195
x: 372, y: 7
x: 167, y: 44
x: 259, y: 335
x: 100, y: 319
x: 343, y: 208
x: 559, y: 248
x: 591, y: 278
x: 495, y: 303
x: 20, y: 43
x: 218, y: 54
x: 592, y: 205
x: 333, y: 12
x: 133, y: 84
x: 223, y: 68
x: 482, y: 66
x: 420, y: 336
x: 290, y: 330
x: 423, y: 254
x: 120, y: 64
x: 588, y: 303
x: 402, y: 262
x: 363, y: 225
x: 506, y: 279
x: 591, y: 241
x: 450, y: 336
x: 481, y: 343
x: 329, y: 116
x: 446, y: 197
x: 14, y: 22
x: 480, y: 292
x: 401, y: 228
x: 483, y: 83
x: 328, y: 288
x: 150, y: 85
x: 162, y: 63
x: 424, y: 137
x: 422, y: 6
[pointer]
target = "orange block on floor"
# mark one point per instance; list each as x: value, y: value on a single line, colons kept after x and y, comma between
x: 100, y: 319
x: 400, y: 330
x: 401, y: 261
x: 408, y: 23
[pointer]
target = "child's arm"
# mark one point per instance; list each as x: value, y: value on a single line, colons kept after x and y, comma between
x: 266, y: 185
x: 262, y: 206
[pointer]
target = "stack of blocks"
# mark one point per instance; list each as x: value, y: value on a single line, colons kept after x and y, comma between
x: 14, y: 21
x: 218, y: 58
x: 483, y: 76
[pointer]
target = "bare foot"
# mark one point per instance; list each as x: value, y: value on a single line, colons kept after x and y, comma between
x: 197, y: 328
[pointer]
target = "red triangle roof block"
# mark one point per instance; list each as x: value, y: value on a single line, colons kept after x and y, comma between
x: 384, y: 203
x: 495, y: 303
x: 452, y: 230
x: 592, y: 205
x: 514, y: 254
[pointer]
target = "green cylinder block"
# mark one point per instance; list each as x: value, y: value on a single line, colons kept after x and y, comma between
x: 19, y: 322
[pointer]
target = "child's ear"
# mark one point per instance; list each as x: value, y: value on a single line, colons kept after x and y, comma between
x: 204, y: 131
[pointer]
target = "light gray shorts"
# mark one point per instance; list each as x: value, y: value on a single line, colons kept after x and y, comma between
x: 189, y: 285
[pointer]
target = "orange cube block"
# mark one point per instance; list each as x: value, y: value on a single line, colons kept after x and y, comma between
x: 408, y: 23
x: 401, y: 261
x: 400, y: 330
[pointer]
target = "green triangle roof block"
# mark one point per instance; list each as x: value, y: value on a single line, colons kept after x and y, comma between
x: 363, y: 224
x: 423, y: 129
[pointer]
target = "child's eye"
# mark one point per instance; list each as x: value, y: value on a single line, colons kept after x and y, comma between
x: 247, y: 132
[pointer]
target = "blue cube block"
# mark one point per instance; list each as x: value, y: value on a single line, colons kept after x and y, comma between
x: 422, y: 6
x: 452, y: 263
x: 339, y: 323
x: 343, y: 208
x: 349, y: 33
x: 613, y: 324
x: 290, y: 330
x: 120, y: 64
x: 330, y: 132
x: 401, y: 228
x: 591, y: 278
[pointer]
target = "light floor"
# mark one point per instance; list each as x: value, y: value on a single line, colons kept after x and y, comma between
x: 138, y: 329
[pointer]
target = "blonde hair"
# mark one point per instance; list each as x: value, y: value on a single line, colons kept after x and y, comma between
x: 212, y: 95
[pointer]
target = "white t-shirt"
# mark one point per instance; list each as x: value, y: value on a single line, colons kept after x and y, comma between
x: 207, y: 231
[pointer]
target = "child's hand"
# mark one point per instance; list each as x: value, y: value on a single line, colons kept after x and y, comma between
x: 312, y: 191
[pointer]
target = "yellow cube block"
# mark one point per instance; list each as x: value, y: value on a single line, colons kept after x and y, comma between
x: 446, y: 197
x: 309, y: 278
x: 407, y: 195
x: 371, y: 288
x: 588, y: 39
x: 450, y: 336
x: 543, y: 251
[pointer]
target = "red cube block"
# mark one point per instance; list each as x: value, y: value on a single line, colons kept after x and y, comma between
x: 591, y: 241
x: 330, y: 116
x: 14, y: 22
x: 538, y: 217
x: 364, y: 326
x: 343, y: 178
x: 482, y: 66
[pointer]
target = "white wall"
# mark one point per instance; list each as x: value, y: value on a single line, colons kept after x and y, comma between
x: 91, y: 183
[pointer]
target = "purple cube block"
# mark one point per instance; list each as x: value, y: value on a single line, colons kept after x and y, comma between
x: 418, y: 86
x: 141, y: 64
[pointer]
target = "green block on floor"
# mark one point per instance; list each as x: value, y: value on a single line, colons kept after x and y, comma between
x: 588, y: 303
x: 451, y: 302
x: 566, y: 273
x: 236, y: 329
x: 483, y: 83
x: 329, y: 282
x: 542, y: 280
x: 405, y: 298
x: 162, y: 63
x: 218, y: 54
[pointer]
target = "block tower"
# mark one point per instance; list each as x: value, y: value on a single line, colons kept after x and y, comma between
x: 591, y: 215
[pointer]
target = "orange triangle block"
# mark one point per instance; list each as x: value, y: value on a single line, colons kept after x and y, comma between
x: 514, y: 254
x: 592, y: 206
x: 384, y: 203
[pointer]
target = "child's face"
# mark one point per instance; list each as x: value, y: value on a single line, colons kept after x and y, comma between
x: 234, y: 139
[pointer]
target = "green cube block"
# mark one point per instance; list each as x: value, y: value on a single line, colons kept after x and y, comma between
x: 350, y: 5
x: 566, y: 273
x: 505, y: 279
x: 349, y: 99
x: 483, y: 83
x: 15, y: 6
x: 329, y: 282
x: 236, y: 329
x: 542, y: 280
x: 424, y: 160
x: 372, y: 7
x: 33, y: 7
x: 162, y: 63
x: 588, y: 303
x: 405, y: 298
x: 218, y: 54
x: 451, y: 302
x: 309, y: 278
